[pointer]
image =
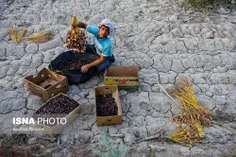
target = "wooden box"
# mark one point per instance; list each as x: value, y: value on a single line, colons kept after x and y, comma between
x: 46, y: 84
x: 125, y: 77
x: 55, y: 130
x: 109, y: 120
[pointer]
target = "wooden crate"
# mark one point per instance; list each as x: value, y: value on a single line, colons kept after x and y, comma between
x: 53, y: 131
x: 125, y: 77
x: 36, y: 84
x: 109, y: 120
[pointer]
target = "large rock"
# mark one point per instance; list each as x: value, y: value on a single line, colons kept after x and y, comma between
x: 151, y: 78
x: 177, y: 33
x: 224, y: 78
x: 160, y: 102
x: 51, y: 44
x: 206, y: 45
x: 191, y: 43
x: 193, y: 61
x: 206, y: 101
x: 129, y: 139
x: 177, y: 66
x: 37, y: 60
x: 12, y: 104
x: 15, y: 51
x: 4, y: 67
x: 34, y: 102
x: 26, y: 60
x: 169, y: 77
x: 48, y: 56
x: 162, y: 63
x: 32, y: 48
x: 7, y: 94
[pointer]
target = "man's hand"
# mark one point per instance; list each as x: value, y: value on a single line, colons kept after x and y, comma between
x: 81, y: 25
x: 84, y: 68
x: 75, y: 50
x: 93, y: 64
x: 68, y: 35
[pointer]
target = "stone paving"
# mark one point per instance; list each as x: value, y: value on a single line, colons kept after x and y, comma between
x: 159, y: 37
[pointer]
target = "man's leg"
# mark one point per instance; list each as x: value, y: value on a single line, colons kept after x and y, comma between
x: 103, y: 66
x: 112, y: 58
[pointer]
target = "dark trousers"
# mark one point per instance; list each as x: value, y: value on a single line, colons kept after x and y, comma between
x: 104, y: 65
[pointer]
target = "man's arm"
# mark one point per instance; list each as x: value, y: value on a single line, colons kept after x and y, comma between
x: 94, y: 63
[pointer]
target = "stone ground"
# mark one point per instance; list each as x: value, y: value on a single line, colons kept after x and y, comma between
x: 161, y: 38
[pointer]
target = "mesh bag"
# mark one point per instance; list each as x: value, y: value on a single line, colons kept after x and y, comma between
x: 62, y: 64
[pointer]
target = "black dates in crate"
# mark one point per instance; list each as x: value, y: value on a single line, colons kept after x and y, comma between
x: 106, y: 105
x: 60, y: 105
x: 73, y: 65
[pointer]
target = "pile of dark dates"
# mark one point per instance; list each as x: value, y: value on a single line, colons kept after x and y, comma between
x: 106, y: 105
x: 57, y: 107
x: 73, y: 65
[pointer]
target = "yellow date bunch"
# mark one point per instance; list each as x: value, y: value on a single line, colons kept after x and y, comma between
x: 77, y: 38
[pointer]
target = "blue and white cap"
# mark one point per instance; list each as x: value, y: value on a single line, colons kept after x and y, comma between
x: 108, y: 23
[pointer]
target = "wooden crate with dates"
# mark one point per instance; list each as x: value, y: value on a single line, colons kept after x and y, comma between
x: 56, y: 113
x: 108, y: 107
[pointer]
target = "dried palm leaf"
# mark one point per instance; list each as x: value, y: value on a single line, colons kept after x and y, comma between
x: 21, y: 34
x: 41, y: 37
x: 16, y: 36
x: 13, y: 34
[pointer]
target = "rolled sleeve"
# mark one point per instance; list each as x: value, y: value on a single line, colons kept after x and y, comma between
x: 106, y: 51
x: 93, y: 30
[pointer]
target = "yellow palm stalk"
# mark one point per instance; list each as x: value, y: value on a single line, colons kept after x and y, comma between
x: 194, y: 118
x: 200, y: 130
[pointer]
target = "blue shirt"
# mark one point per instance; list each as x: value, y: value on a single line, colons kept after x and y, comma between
x: 103, y: 46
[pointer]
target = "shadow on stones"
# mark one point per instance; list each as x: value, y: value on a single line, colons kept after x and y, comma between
x: 9, y: 2
x: 224, y: 117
